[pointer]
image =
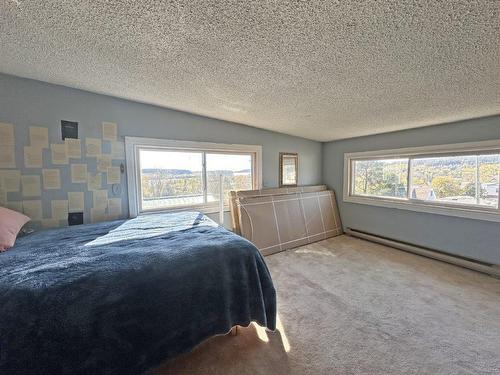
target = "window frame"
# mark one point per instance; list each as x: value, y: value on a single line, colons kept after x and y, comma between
x: 134, y: 144
x: 418, y: 205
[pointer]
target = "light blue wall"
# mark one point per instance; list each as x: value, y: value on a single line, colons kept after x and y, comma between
x: 470, y: 238
x: 25, y: 103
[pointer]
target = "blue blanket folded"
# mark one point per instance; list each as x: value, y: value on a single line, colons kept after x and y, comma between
x: 121, y: 297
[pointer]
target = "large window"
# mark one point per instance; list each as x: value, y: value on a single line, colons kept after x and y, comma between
x: 176, y: 175
x: 459, y: 180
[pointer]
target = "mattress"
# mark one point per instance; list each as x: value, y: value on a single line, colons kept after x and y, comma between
x: 237, y: 195
x: 275, y: 223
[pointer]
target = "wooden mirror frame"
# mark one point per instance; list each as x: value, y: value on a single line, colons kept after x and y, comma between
x: 294, y: 155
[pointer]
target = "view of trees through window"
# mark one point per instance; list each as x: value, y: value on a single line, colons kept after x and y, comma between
x: 384, y: 178
x: 470, y: 179
x: 236, y: 170
x: 467, y: 179
x: 177, y: 178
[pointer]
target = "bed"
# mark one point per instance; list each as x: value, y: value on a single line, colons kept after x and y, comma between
x: 121, y: 297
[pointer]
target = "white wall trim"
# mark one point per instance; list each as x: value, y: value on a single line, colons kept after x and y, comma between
x: 440, y: 208
x: 133, y: 144
x: 447, y: 210
x: 446, y: 149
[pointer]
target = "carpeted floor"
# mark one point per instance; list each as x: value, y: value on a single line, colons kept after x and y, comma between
x: 349, y: 306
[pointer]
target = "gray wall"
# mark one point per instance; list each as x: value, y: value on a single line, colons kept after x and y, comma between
x: 25, y: 102
x: 466, y: 237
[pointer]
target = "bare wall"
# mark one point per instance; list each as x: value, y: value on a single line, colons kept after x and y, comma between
x: 465, y: 237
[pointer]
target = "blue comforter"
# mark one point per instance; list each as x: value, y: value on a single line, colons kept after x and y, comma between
x: 121, y: 297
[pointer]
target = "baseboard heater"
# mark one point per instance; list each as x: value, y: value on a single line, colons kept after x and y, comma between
x: 490, y: 269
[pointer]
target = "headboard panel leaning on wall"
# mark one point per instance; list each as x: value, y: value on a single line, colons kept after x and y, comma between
x: 283, y: 218
x: 56, y: 181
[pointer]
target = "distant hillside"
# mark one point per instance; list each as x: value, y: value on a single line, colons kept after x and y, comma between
x: 166, y: 171
x: 454, y: 162
x: 177, y: 172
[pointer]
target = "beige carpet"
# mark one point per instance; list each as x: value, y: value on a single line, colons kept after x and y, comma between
x: 348, y: 306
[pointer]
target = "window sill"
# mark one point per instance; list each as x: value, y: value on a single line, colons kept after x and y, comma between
x: 206, y: 209
x: 468, y: 212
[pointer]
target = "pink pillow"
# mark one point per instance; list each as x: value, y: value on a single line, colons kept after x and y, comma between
x: 11, y: 223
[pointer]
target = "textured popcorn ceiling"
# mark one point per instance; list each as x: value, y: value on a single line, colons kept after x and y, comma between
x: 318, y: 69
